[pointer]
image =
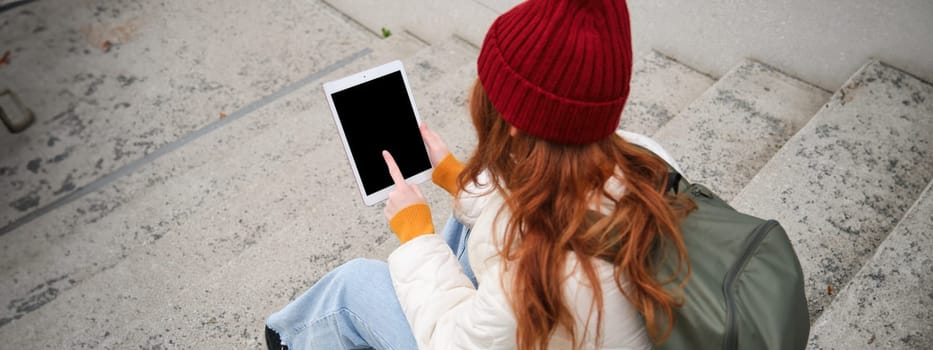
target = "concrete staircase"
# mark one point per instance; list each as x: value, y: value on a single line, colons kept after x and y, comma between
x: 194, y: 243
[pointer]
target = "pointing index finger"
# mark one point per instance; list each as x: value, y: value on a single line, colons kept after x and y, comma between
x: 393, y: 169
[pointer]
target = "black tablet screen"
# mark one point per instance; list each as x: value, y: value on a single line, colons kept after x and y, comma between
x: 377, y: 115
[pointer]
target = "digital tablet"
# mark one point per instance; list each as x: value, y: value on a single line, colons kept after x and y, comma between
x: 375, y: 111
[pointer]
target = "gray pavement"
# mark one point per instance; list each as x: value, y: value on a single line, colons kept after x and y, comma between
x: 734, y: 128
x: 111, y: 82
x: 660, y: 89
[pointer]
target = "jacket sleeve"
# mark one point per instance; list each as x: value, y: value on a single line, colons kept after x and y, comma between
x: 446, y: 172
x: 471, y: 199
x: 443, y: 307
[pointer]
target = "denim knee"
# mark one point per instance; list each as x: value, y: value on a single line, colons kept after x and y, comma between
x: 362, y: 272
x: 353, y: 305
x: 365, y: 265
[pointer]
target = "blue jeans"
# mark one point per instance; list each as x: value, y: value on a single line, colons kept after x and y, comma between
x: 355, y: 306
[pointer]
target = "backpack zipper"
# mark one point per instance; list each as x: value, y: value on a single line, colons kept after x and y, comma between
x: 731, y: 340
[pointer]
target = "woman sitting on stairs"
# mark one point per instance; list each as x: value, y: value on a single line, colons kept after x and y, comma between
x: 556, y: 215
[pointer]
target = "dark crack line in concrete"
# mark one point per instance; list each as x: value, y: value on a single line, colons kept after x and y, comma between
x: 13, y: 5
x: 181, y: 142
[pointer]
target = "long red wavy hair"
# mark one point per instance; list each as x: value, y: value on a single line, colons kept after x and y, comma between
x: 549, y: 190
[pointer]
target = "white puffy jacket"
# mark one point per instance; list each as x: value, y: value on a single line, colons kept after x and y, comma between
x: 445, y: 311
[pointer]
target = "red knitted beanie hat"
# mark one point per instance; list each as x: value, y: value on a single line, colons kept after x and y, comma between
x: 559, y: 69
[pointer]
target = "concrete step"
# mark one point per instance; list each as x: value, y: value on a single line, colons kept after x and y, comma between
x: 734, y: 128
x: 660, y: 89
x: 101, y: 107
x: 843, y: 181
x: 230, y: 224
x: 433, y: 21
x: 445, y: 107
x: 435, y: 61
x: 888, y: 304
x: 499, y: 6
x: 58, y: 225
x: 103, y: 228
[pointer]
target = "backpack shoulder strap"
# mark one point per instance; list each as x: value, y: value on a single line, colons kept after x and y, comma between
x: 676, y: 182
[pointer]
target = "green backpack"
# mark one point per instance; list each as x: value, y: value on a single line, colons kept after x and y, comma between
x: 745, y: 290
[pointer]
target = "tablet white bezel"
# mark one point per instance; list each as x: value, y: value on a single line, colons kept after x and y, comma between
x: 353, y: 80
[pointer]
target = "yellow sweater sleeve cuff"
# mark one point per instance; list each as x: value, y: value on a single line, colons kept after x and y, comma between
x: 412, y: 221
x: 446, y: 172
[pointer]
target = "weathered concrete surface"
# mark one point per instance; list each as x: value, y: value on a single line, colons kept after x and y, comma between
x: 434, y: 63
x: 889, y: 303
x: 98, y: 205
x: 823, y: 41
x: 250, y: 199
x: 78, y: 242
x: 112, y: 81
x: 730, y: 132
x: 841, y: 184
x: 499, y: 6
x: 434, y: 21
x: 660, y: 88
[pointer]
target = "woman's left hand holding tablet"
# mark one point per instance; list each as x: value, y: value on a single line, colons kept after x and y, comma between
x: 406, y: 210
